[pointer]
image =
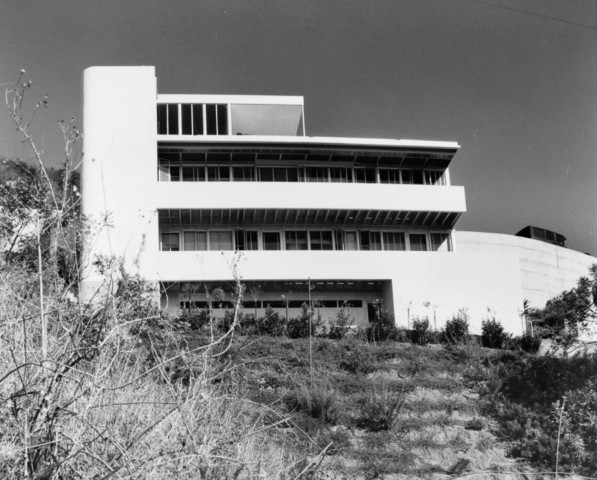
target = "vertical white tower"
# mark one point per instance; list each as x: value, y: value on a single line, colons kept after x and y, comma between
x: 118, y: 172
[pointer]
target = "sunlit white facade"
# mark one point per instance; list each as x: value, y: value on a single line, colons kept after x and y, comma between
x: 194, y: 186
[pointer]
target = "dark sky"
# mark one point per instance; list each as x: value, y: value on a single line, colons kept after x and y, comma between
x: 513, y: 81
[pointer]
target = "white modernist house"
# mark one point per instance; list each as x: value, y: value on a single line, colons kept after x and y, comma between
x: 196, y: 186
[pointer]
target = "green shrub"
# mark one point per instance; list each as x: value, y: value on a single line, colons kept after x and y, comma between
x: 456, y: 329
x: 544, y: 380
x: 529, y: 343
x: 248, y: 324
x: 272, y: 323
x: 197, y: 318
x: 420, y: 332
x: 492, y: 333
x: 382, y: 327
x: 225, y: 323
x: 300, y: 327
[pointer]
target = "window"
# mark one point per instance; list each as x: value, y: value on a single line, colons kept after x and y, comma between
x: 389, y: 175
x: 185, y: 217
x: 370, y: 240
x: 197, y: 119
x: 317, y: 174
x: 278, y: 174
x: 296, y: 240
x: 364, y: 175
x: 434, y: 177
x: 243, y: 174
x: 394, y: 241
x: 193, y: 174
x: 271, y: 240
x: 321, y: 240
x: 218, y: 174
x: 418, y: 177
x: 441, y: 242
x: 162, y: 119
x: 168, y: 119
x: 246, y: 240
x: 343, y: 175
x: 220, y: 240
x: 169, y: 217
x: 195, y: 241
x: 170, y: 242
x: 216, y: 119
x: 418, y: 242
x: 173, y: 119
x: 350, y: 241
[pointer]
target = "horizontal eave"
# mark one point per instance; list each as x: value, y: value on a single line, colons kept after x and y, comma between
x: 296, y: 141
x: 305, y: 218
x: 233, y: 99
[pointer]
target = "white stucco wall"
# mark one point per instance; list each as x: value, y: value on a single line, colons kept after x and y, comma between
x: 447, y: 281
x: 546, y: 270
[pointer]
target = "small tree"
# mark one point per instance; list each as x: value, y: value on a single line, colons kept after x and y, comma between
x: 420, y: 332
x: 383, y: 326
x: 492, y: 333
x: 456, y: 329
x: 567, y: 315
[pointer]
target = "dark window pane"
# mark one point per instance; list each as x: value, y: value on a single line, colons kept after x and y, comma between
x: 222, y: 119
x: 279, y: 174
x: 212, y: 174
x: 162, y: 119
x: 418, y: 242
x: 224, y: 174
x: 170, y: 242
x: 187, y: 174
x: 296, y: 240
x: 407, y: 176
x: 321, y: 240
x: 292, y: 174
x: 271, y: 241
x: 274, y: 303
x: 364, y: 240
x: 243, y: 174
x: 418, y: 177
x: 174, y: 173
x: 266, y: 175
x: 252, y: 241
x: 440, y: 242
x: 173, y: 119
x: 187, y: 121
x: 198, y: 119
x: 210, y: 118
x: 394, y: 241
x: 374, y: 241
x: 185, y: 217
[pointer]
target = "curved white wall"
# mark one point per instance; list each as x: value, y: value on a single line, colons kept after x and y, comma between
x: 546, y: 270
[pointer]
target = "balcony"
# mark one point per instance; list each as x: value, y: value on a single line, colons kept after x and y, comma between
x: 377, y: 200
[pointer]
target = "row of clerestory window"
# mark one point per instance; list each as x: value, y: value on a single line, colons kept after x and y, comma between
x: 203, y: 240
x: 192, y: 119
x: 202, y: 173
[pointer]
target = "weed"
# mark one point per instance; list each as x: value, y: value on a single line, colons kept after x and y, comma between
x: 317, y: 401
x: 379, y: 408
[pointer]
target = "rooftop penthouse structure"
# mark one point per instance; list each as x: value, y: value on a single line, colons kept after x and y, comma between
x: 197, y: 187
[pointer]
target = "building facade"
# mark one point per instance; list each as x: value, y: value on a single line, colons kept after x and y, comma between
x: 198, y: 189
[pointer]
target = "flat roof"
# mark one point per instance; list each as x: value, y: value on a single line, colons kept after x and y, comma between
x: 367, y: 143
